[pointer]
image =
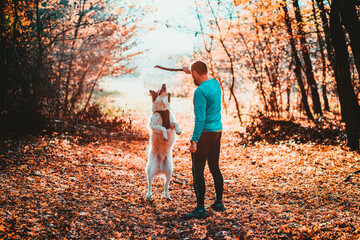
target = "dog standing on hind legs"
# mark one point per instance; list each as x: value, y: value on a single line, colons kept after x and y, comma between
x: 163, y: 127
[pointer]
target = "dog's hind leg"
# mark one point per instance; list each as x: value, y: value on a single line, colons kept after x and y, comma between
x: 166, y: 185
x: 168, y: 173
x: 149, y: 192
x: 150, y: 172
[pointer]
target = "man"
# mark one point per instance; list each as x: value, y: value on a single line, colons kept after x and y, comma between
x: 205, y: 141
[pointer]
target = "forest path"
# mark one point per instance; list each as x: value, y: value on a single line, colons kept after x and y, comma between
x: 53, y: 187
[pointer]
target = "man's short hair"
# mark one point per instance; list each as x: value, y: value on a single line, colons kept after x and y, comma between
x: 199, y: 67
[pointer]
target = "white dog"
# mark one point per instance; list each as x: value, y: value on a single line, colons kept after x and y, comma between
x: 163, y: 126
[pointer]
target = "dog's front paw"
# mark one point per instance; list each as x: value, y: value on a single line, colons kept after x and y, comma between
x: 178, y: 132
x: 166, y: 138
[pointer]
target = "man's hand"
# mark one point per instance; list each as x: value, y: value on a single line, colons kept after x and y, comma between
x: 186, y: 70
x: 193, y: 147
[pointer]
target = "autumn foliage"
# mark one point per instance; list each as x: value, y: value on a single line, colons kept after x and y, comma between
x: 57, y: 187
x: 281, y: 57
x: 53, y: 54
x: 73, y: 168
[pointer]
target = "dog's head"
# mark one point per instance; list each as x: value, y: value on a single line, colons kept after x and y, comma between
x: 161, y: 99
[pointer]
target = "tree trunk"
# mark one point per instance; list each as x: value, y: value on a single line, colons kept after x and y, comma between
x: 262, y: 93
x: 323, y: 60
x: 67, y: 82
x: 288, y: 91
x: 77, y: 92
x: 296, y: 59
x: 3, y: 60
x: 351, y: 23
x: 232, y: 85
x: 218, y: 77
x: 329, y: 46
x: 93, y: 87
x: 350, y: 106
x: 38, y: 78
x: 211, y: 65
x: 38, y: 32
x: 307, y: 61
x: 258, y: 78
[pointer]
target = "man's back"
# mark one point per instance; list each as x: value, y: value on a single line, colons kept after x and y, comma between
x: 207, y: 107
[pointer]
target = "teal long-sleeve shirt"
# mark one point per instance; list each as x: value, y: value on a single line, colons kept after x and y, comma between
x: 207, y: 108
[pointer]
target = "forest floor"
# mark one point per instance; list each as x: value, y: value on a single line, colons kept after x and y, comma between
x: 56, y: 186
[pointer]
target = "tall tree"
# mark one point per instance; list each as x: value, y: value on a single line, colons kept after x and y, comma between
x: 52, y: 54
x: 322, y: 58
x: 350, y: 21
x: 221, y: 38
x: 297, y: 62
x: 328, y: 43
x: 209, y: 48
x: 350, y: 105
x: 307, y: 61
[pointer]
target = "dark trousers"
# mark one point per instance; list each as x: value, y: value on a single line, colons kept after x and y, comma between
x: 208, y: 149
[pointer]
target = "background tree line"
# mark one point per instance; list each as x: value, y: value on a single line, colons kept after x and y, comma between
x: 277, y: 57
x: 53, y: 53
x: 285, y: 56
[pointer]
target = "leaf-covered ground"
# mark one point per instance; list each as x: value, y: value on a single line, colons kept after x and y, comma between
x: 54, y: 187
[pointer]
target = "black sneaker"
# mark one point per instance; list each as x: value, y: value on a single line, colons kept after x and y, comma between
x: 218, y: 206
x: 198, y: 213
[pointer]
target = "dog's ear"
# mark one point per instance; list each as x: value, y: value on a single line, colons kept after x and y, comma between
x: 169, y: 96
x: 153, y: 95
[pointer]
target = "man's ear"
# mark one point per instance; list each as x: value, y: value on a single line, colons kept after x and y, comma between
x: 169, y: 96
x: 153, y: 95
